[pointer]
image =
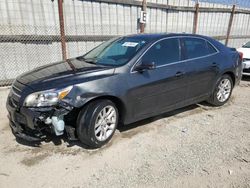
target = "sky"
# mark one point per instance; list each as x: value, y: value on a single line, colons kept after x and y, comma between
x: 240, y: 3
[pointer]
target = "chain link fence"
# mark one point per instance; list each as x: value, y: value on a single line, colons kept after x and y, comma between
x: 30, y: 30
x: 29, y: 37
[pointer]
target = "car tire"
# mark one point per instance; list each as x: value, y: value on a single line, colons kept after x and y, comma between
x: 97, y: 122
x: 222, y: 91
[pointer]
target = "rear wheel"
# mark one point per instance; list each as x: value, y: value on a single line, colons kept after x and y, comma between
x: 222, y: 91
x: 97, y: 123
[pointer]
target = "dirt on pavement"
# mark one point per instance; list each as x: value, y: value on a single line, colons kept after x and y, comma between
x: 197, y: 146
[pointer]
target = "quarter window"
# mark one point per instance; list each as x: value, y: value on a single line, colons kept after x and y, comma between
x: 197, y: 48
x: 211, y: 49
x: 163, y: 52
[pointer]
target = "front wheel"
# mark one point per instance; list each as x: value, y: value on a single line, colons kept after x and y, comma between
x: 97, y: 123
x: 222, y: 91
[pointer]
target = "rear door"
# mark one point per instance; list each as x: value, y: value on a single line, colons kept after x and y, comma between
x: 202, y: 66
x: 160, y: 89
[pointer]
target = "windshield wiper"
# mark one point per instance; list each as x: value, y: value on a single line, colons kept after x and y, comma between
x: 92, y: 61
x: 88, y: 60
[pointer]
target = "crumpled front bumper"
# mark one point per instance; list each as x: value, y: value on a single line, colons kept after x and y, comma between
x: 25, y: 123
x: 29, y: 123
x: 19, y: 132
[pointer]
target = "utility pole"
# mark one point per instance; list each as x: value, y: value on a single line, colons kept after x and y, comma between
x: 62, y: 30
x: 142, y: 24
x: 230, y: 25
x: 196, y: 16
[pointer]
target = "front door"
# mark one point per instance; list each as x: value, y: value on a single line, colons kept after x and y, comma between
x: 158, y: 90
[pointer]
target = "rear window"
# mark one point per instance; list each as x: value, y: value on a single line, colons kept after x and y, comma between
x: 197, y: 48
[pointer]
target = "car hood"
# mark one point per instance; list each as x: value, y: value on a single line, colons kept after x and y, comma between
x: 62, y: 72
x: 245, y: 51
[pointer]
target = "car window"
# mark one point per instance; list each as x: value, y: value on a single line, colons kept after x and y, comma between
x: 197, y: 48
x: 247, y: 45
x: 211, y: 49
x: 163, y: 52
x: 115, y: 52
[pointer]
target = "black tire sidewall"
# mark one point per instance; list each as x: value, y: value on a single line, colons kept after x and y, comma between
x: 86, y: 123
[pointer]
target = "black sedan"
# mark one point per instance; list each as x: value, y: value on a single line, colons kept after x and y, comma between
x: 121, y: 81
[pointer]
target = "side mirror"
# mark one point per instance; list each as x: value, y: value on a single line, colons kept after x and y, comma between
x: 145, y: 66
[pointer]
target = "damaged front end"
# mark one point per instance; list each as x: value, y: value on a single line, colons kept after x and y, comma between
x: 39, y: 113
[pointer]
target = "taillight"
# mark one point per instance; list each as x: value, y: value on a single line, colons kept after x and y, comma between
x: 241, y: 56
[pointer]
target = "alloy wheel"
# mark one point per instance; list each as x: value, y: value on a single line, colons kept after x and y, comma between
x: 105, y: 123
x: 224, y: 90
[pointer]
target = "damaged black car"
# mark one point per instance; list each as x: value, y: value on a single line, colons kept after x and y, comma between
x: 121, y: 81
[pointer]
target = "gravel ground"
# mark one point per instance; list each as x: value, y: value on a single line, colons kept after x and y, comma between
x: 198, y: 146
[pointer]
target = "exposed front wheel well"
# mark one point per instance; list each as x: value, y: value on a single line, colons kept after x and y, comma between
x: 118, y: 103
x: 70, y: 118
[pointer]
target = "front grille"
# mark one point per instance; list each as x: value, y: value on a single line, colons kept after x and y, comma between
x: 17, y: 87
x: 13, y: 102
x: 15, y: 94
x: 16, y: 90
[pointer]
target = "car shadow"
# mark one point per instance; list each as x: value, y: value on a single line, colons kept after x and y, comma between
x: 59, y: 140
x: 155, y: 118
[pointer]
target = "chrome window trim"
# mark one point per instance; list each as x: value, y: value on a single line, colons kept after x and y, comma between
x: 178, y: 37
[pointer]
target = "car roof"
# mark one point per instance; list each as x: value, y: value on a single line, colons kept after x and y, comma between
x: 152, y: 37
x: 157, y: 36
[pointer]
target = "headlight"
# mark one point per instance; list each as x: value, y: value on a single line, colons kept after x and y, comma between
x: 46, y: 98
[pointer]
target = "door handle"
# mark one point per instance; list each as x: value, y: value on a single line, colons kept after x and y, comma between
x: 214, y: 64
x: 179, y: 74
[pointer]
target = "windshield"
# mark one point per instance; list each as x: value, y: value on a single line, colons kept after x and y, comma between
x: 115, y: 52
x: 247, y: 45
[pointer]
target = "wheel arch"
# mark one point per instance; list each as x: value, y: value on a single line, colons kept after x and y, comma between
x: 228, y: 72
x: 232, y: 75
x: 117, y: 101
